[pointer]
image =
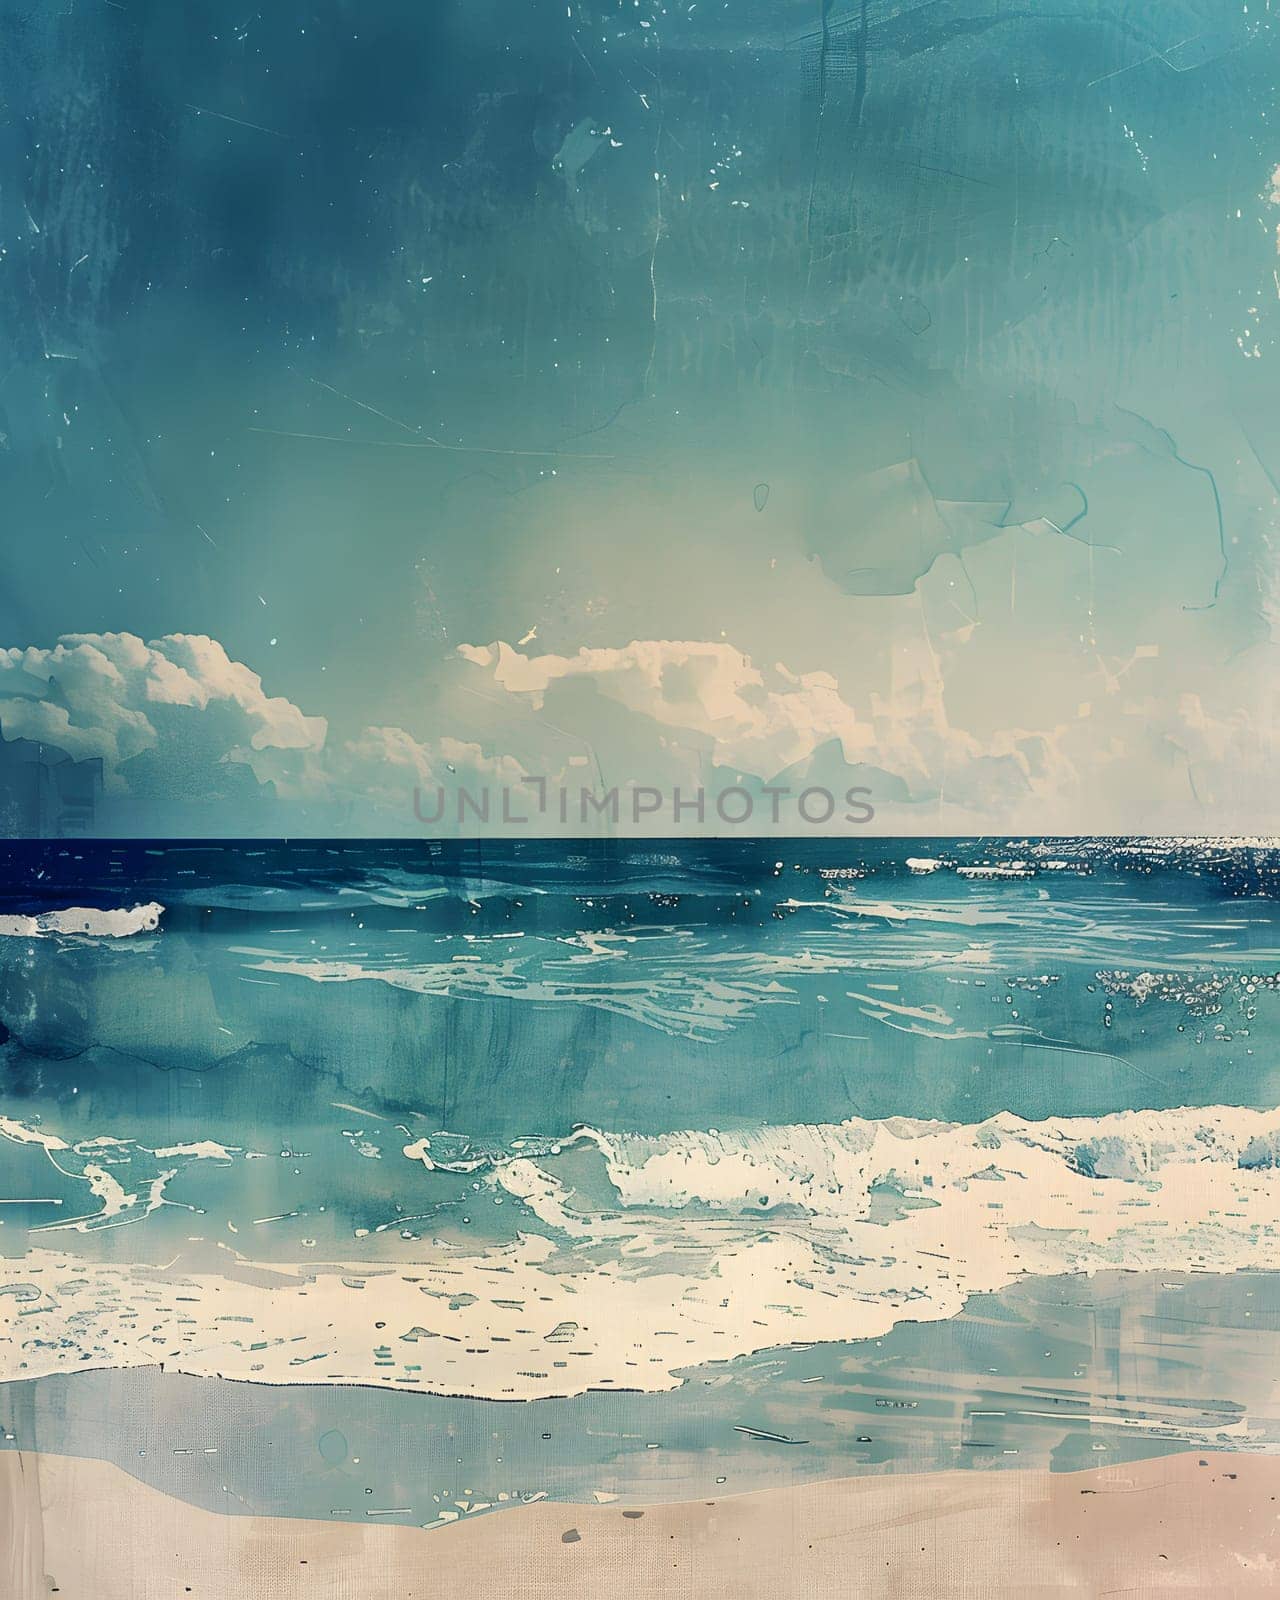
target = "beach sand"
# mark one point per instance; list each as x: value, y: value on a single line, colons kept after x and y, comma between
x: 1204, y: 1524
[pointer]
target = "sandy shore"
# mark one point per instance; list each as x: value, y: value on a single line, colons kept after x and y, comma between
x: 1188, y: 1524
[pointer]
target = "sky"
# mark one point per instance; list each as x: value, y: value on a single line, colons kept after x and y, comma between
x: 403, y: 397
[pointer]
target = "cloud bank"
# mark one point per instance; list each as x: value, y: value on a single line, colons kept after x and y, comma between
x: 191, y: 741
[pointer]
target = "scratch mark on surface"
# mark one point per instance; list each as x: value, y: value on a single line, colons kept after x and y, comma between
x: 222, y: 116
x: 428, y: 443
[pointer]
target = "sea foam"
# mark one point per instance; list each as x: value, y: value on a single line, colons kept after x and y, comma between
x: 642, y: 1255
x: 85, y: 922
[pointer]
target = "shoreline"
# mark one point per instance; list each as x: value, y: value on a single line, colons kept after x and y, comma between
x: 1195, y: 1523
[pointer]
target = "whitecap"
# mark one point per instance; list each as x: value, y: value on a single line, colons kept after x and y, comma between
x: 84, y: 922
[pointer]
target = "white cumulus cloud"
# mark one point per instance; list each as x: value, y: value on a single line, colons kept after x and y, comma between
x: 113, y: 696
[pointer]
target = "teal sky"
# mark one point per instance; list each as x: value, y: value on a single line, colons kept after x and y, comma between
x: 883, y: 394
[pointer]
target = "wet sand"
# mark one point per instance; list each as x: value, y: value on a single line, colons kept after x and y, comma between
x: 1197, y: 1523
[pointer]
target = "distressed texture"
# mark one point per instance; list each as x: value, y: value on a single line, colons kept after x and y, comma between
x: 638, y: 708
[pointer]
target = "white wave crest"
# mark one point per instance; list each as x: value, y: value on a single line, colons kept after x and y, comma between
x: 702, y: 1246
x: 85, y: 922
x: 829, y: 1171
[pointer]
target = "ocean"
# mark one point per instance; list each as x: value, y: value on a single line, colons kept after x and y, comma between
x: 417, y: 1180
